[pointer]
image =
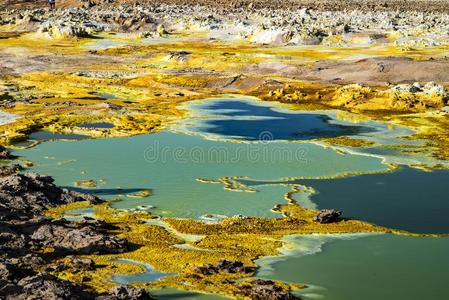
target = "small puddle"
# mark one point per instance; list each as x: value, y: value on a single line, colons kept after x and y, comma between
x: 79, y: 214
x: 150, y: 274
x: 184, y: 236
x: 107, y: 96
x: 96, y: 125
x: 6, y: 118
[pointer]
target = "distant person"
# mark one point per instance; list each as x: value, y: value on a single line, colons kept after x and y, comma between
x: 52, y: 4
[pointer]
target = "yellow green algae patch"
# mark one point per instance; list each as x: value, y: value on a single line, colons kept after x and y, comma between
x: 141, y: 194
x: 347, y: 141
x: 137, y: 87
x: 432, y: 128
x: 235, y: 238
x: 357, y: 98
x: 89, y: 183
x: 62, y: 101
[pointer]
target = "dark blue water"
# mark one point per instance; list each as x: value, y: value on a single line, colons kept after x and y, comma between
x: 48, y: 136
x: 265, y: 123
x: 407, y: 199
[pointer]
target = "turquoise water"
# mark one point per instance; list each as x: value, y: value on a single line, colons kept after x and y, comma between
x: 170, y: 165
x: 370, y: 268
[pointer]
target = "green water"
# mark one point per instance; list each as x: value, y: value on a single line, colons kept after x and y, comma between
x: 367, y: 267
x: 170, y: 163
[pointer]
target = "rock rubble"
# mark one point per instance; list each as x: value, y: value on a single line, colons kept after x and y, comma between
x: 25, y: 235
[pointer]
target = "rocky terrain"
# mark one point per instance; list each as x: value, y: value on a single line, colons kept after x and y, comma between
x: 332, y: 5
x: 297, y: 25
x: 30, y: 242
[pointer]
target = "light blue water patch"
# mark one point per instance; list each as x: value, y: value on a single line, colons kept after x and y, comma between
x: 109, y: 41
x: 6, y: 118
x: 170, y: 164
x: 369, y: 267
x: 79, y: 214
x: 150, y: 274
x: 107, y: 96
x: 105, y: 43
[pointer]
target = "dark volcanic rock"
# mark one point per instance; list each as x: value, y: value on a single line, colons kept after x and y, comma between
x: 78, y: 238
x: 328, y: 216
x: 126, y: 292
x: 4, y: 153
x: 83, y: 264
x: 6, y: 170
x: 45, y: 286
x: 25, y: 233
x: 265, y: 290
x: 12, y: 242
x: 26, y: 194
x: 224, y: 266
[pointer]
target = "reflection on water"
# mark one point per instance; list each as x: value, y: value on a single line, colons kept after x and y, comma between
x: 249, y: 122
x: 408, y: 199
x: 247, y: 119
x: 50, y: 136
